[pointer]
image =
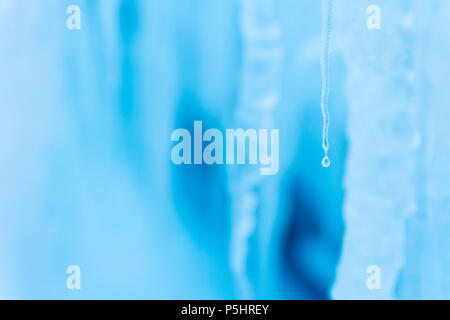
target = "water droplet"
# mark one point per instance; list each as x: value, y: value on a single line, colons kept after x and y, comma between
x: 326, y: 162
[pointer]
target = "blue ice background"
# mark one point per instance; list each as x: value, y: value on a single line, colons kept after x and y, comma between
x: 85, y: 171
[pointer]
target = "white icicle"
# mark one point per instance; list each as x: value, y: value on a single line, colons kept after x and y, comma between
x: 258, y: 97
x: 380, y: 170
x: 325, y: 69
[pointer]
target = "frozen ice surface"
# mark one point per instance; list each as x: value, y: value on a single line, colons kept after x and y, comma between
x: 86, y: 178
x: 397, y: 196
x: 380, y: 165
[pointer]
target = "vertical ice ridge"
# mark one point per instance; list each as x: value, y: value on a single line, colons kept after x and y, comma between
x: 325, y: 70
x: 437, y: 243
x: 415, y: 226
x: 259, y: 96
x: 379, y: 182
x: 425, y: 273
x: 398, y: 117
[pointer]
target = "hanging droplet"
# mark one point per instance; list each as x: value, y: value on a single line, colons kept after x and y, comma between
x: 325, y: 70
x: 326, y: 162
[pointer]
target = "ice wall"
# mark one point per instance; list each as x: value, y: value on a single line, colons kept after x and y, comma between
x: 27, y: 130
x: 86, y: 117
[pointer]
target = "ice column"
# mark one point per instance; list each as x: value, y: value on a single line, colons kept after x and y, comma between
x: 379, y: 182
x: 429, y: 252
x: 259, y: 95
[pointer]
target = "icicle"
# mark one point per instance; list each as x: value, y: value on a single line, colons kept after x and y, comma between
x: 259, y: 96
x: 396, y: 209
x: 380, y: 170
x: 434, y: 257
x: 325, y: 69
